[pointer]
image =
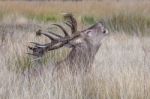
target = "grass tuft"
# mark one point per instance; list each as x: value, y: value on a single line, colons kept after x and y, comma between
x: 88, y: 20
x: 128, y: 22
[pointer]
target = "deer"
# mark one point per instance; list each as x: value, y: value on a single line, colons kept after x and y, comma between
x: 84, y: 44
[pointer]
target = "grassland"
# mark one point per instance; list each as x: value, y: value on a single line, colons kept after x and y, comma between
x: 123, y: 15
x: 121, y: 68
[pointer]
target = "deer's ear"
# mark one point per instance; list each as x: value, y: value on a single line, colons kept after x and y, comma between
x: 89, y: 33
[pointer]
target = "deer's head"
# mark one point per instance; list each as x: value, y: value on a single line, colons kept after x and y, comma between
x: 91, y: 36
x: 88, y: 38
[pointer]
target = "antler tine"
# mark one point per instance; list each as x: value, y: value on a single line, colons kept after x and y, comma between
x: 40, y: 49
x: 64, y: 31
x: 35, y: 43
x: 39, y: 32
x: 59, y: 36
x: 39, y: 45
x: 72, y: 21
x: 68, y: 23
x: 58, y: 46
x: 50, y: 37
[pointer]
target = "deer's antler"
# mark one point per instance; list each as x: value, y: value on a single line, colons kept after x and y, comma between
x: 71, y: 22
x: 40, y: 49
x: 57, y: 41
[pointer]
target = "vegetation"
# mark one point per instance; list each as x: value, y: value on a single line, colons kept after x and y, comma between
x: 125, y: 16
x: 121, y: 69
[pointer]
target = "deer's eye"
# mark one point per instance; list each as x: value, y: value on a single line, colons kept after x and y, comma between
x: 105, y: 31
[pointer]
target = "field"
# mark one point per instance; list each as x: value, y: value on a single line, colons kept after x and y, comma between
x: 121, y: 68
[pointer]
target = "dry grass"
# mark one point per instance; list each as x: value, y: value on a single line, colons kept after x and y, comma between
x: 121, y: 68
x: 103, y: 8
x: 122, y: 15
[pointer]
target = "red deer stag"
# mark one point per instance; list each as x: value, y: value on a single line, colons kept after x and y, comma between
x: 84, y: 44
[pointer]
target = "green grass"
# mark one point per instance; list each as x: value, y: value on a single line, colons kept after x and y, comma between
x: 128, y: 23
x: 118, y: 22
x: 44, y: 18
x: 88, y: 20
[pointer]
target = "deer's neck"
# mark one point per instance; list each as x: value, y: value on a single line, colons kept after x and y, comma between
x: 82, y: 56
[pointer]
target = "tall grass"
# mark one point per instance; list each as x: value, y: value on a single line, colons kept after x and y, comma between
x: 121, y: 68
x: 126, y: 16
x: 129, y: 23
